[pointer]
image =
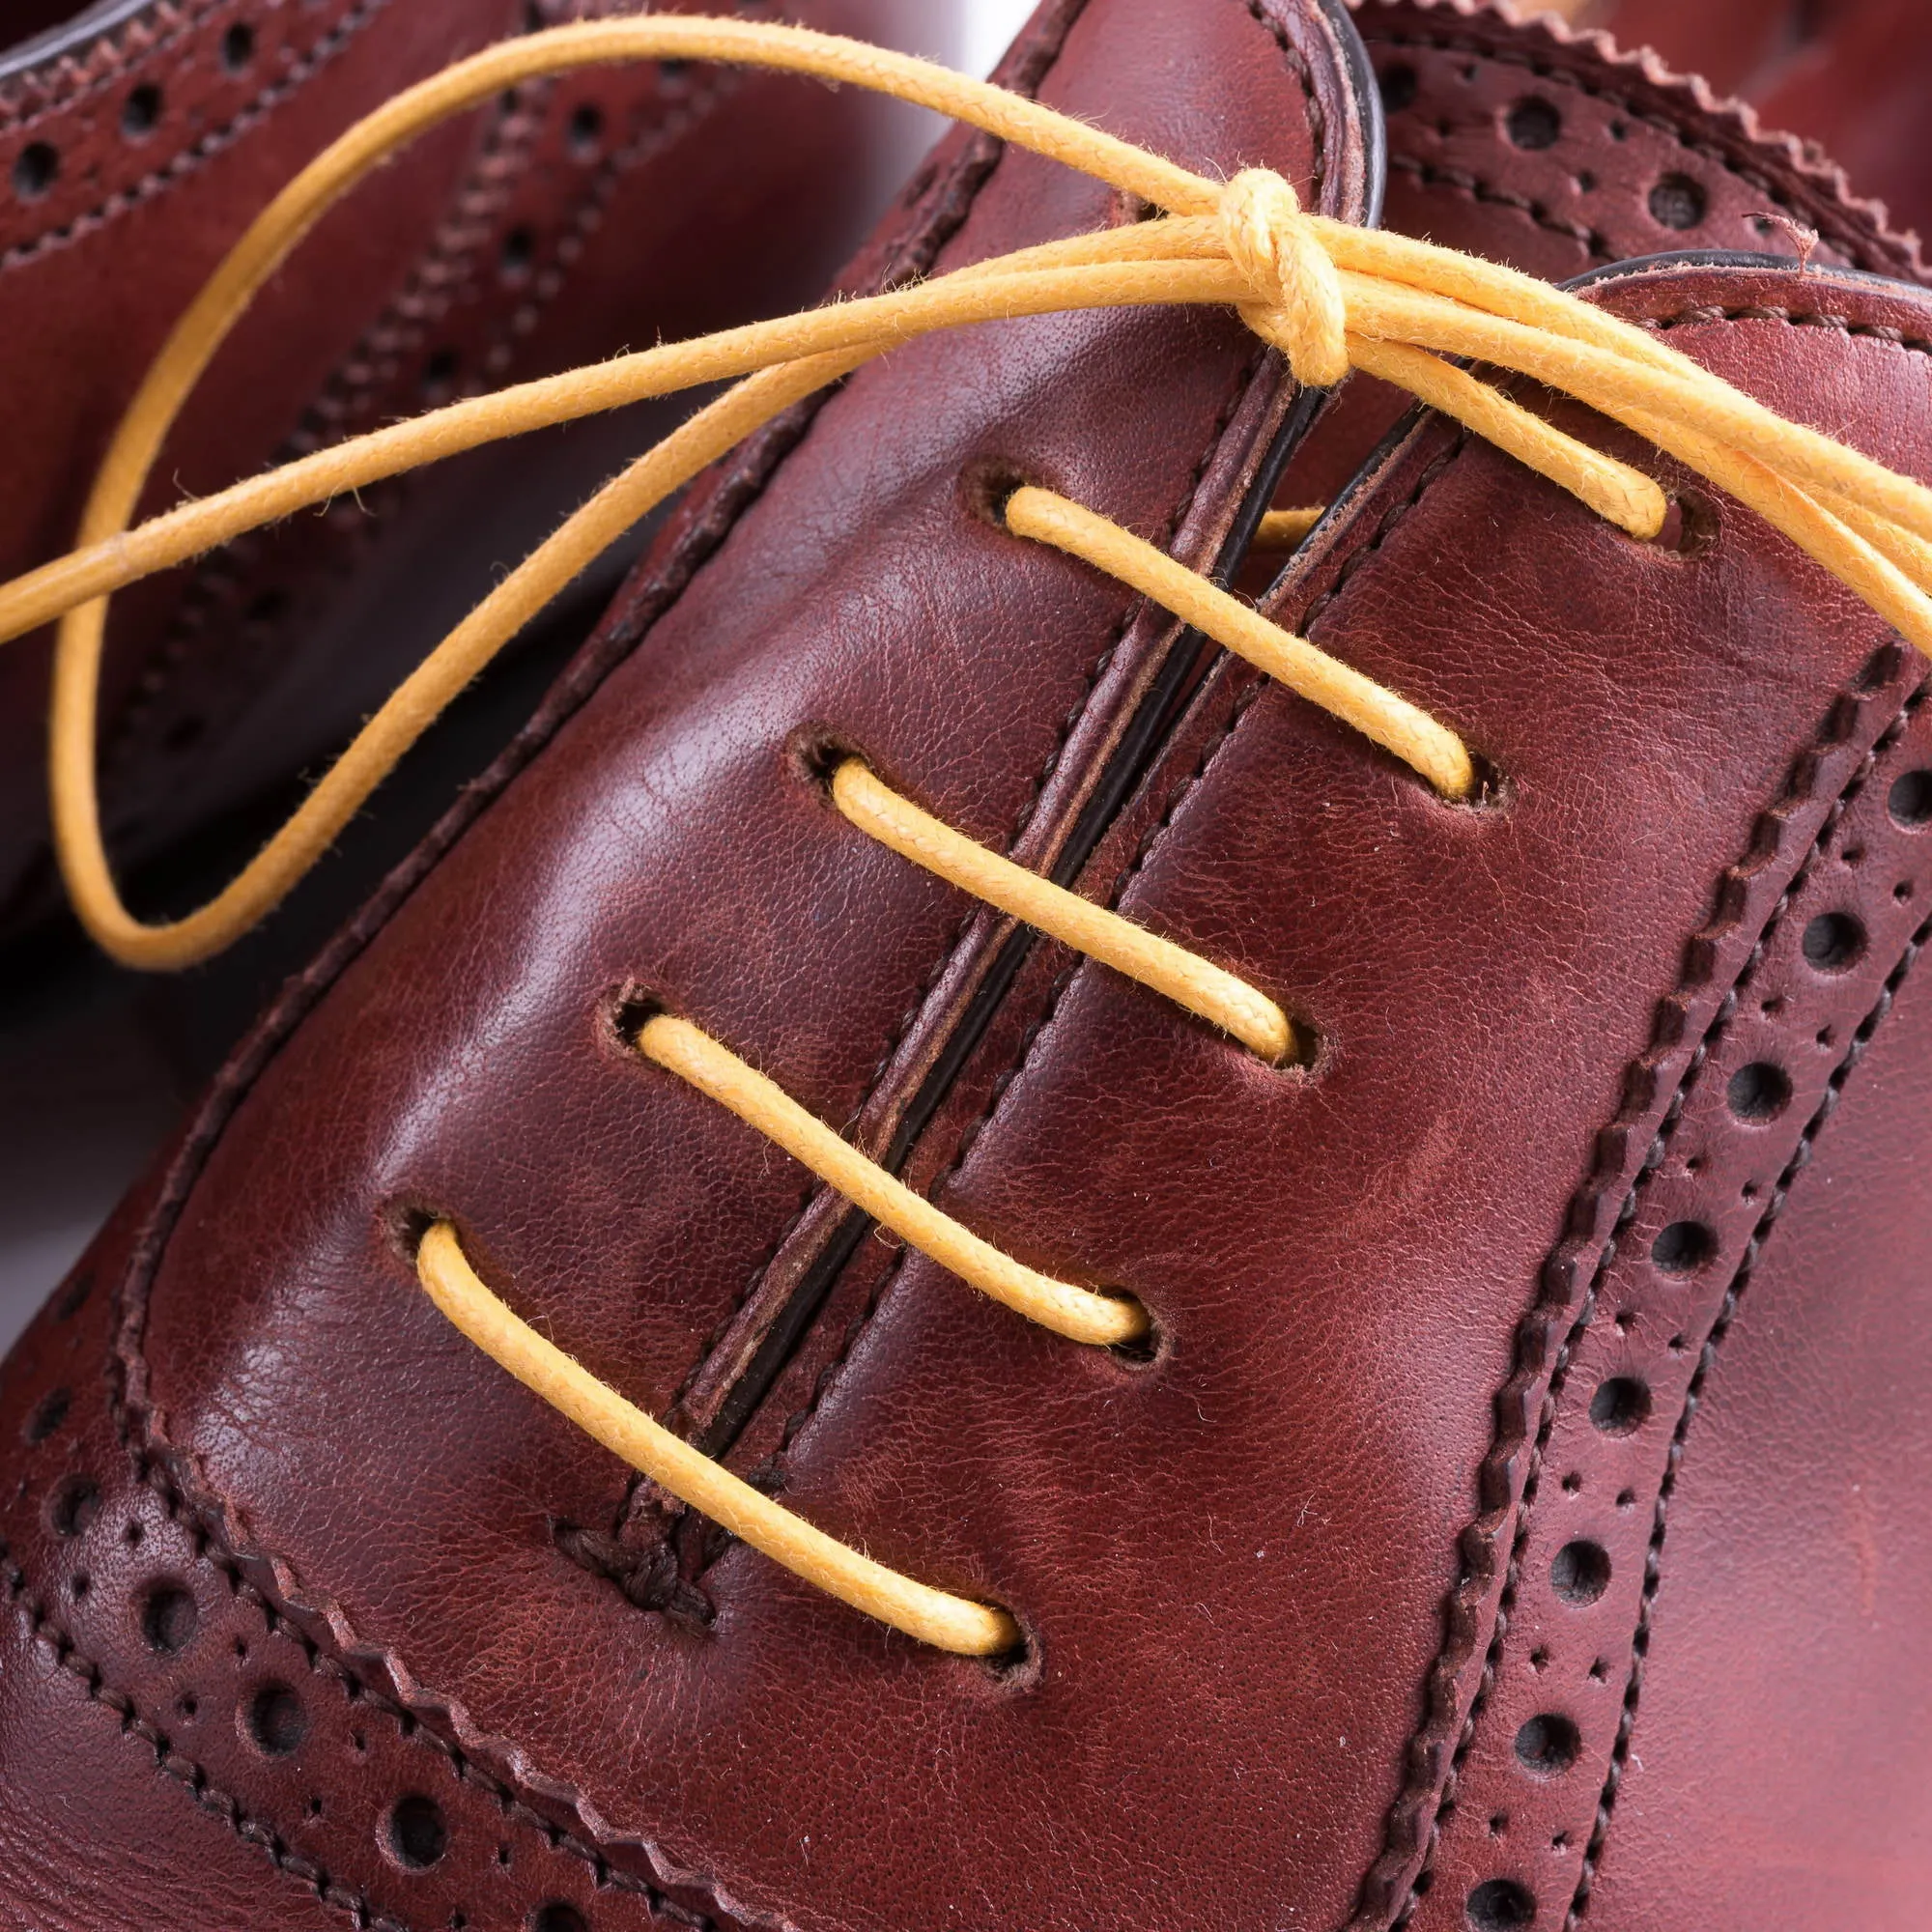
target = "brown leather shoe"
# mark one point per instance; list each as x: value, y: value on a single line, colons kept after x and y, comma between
x: 1558, y: 154
x: 1520, y: 1520
x: 556, y: 228
x: 1850, y: 76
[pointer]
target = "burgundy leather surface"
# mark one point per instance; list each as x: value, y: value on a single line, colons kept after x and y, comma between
x: 568, y: 222
x: 1795, y: 1551
x: 442, y: 1661
x: 1849, y: 74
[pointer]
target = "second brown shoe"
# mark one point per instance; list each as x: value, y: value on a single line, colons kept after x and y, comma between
x: 571, y: 220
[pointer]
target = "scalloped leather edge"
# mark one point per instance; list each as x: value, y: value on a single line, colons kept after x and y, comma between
x: 1684, y: 100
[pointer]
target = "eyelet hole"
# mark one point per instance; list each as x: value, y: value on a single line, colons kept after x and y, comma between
x: 625, y: 1012
x: 1491, y: 794
x: 815, y: 752
x: 1146, y: 1350
x: 988, y: 485
x: 406, y: 1223
x: 1688, y: 529
x: 1018, y: 1669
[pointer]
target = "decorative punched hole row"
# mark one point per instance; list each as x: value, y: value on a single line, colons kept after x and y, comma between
x: 413, y: 1832
x: 1756, y: 1094
x: 1676, y: 201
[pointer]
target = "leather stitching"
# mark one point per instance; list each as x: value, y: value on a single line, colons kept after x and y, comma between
x: 1243, y: 695
x: 1472, y: 187
x: 1481, y: 1540
x: 185, y: 160
x: 1668, y: 1038
x: 1318, y: 121
x: 1238, y: 391
x: 229, y: 573
x: 1796, y: 317
x: 1249, y: 372
x: 132, y: 1398
x: 111, y: 58
x: 1707, y: 1361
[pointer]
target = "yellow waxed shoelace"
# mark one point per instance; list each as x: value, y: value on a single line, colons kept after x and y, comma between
x: 1332, y: 298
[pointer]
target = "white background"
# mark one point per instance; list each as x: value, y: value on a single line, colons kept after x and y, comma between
x: 989, y: 25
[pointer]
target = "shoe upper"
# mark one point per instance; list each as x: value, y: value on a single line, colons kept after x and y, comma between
x: 555, y: 228
x: 1849, y: 76
x: 1536, y: 1363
